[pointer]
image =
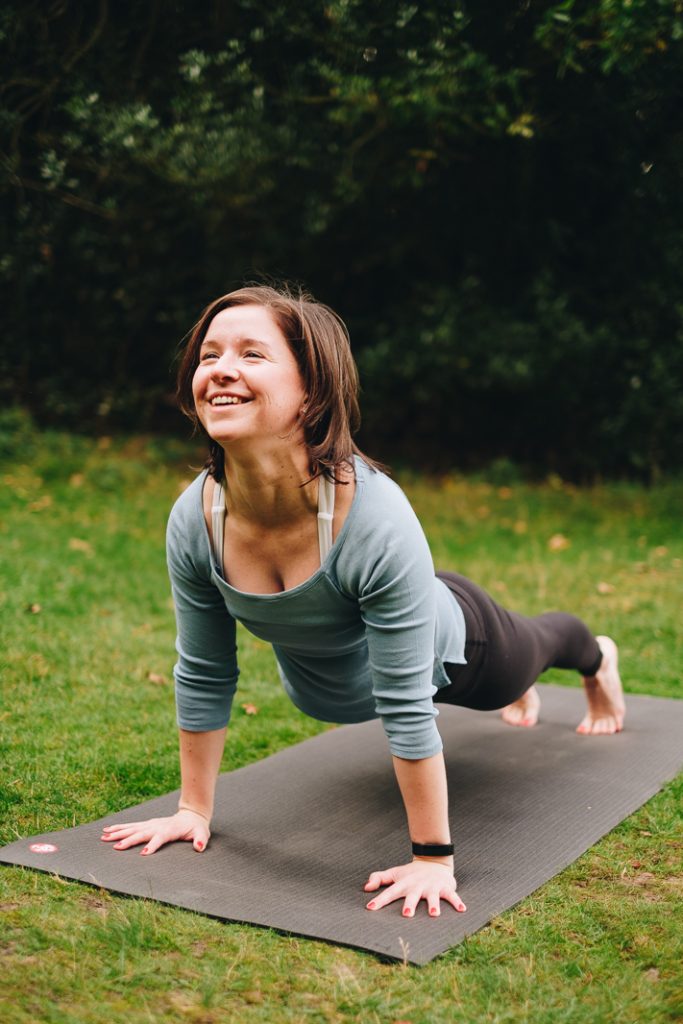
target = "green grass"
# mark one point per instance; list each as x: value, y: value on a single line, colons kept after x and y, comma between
x: 86, y: 731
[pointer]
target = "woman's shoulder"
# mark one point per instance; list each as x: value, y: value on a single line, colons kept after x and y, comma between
x: 384, y: 541
x: 188, y: 506
x: 186, y: 530
x: 382, y: 499
x: 382, y: 521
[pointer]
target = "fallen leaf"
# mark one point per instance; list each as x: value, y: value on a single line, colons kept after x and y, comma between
x: 652, y: 974
x: 605, y: 588
x: 76, y: 544
x: 482, y: 512
x: 41, y: 503
x: 661, y: 551
x: 505, y: 493
x: 253, y: 996
x: 558, y: 542
x: 34, y: 608
x: 500, y: 586
x: 250, y: 709
x: 521, y: 526
x: 103, y: 444
x: 156, y: 677
x: 76, y: 479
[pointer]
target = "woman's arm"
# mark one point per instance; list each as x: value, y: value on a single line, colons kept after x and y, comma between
x: 425, y: 796
x: 200, y: 759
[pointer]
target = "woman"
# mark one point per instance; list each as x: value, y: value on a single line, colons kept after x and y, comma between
x: 294, y: 532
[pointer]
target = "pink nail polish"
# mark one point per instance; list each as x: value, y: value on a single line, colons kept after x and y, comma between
x: 406, y: 913
x: 200, y: 846
x: 146, y: 850
x: 371, y: 906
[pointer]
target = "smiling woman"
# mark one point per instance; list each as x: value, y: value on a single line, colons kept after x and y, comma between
x: 294, y: 532
x: 317, y: 342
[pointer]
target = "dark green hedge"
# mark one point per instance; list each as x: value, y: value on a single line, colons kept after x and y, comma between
x: 489, y: 193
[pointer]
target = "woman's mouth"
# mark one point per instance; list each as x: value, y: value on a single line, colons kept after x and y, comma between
x: 228, y: 400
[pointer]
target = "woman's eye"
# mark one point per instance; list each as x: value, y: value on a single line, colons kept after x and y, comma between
x: 253, y: 355
x: 207, y: 355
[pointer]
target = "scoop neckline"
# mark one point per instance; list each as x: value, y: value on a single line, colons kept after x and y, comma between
x: 359, y: 470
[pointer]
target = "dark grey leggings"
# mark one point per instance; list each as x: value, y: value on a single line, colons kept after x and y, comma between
x: 506, y: 652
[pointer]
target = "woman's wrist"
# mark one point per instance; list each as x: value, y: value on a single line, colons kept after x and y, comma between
x: 202, y: 814
x: 447, y: 862
x: 434, y: 853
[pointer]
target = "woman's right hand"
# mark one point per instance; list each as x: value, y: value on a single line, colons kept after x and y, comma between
x: 185, y: 825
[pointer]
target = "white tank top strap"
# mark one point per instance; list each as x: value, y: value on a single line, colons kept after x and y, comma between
x: 218, y: 523
x: 325, y: 519
x: 325, y: 515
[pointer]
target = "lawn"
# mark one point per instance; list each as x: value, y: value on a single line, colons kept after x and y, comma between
x: 87, y: 727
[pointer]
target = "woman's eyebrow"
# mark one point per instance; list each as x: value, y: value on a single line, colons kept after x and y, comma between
x: 237, y: 341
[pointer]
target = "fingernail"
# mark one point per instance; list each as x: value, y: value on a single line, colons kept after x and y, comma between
x: 371, y: 906
x: 200, y: 846
x: 407, y: 913
x: 146, y: 849
x: 433, y: 913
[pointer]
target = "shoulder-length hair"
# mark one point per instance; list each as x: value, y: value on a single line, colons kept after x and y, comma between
x: 319, y: 341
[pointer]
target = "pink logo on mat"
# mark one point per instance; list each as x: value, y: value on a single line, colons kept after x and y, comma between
x: 43, y: 848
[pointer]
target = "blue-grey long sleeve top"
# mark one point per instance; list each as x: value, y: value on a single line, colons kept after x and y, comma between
x: 366, y: 635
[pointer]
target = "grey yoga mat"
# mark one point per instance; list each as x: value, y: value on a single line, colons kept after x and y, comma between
x: 296, y: 835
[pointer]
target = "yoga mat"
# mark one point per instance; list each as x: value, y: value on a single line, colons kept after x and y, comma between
x: 296, y: 835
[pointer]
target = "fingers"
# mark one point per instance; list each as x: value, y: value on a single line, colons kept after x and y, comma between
x: 121, y: 834
x: 119, y: 831
x: 394, y: 892
x: 201, y: 838
x: 378, y: 878
x: 155, y: 833
x: 412, y: 885
x: 410, y: 903
x: 433, y: 905
x: 452, y: 897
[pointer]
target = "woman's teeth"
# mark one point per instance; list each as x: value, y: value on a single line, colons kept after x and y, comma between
x: 226, y: 400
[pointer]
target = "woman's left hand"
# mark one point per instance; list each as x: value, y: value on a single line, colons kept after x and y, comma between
x: 419, y: 880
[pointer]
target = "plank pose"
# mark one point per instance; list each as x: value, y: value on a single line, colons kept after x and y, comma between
x: 291, y: 530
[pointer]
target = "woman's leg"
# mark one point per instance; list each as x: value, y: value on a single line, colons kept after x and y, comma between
x: 506, y: 652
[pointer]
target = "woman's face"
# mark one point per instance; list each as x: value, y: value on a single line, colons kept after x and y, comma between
x: 247, y: 385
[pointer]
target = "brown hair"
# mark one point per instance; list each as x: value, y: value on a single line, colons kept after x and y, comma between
x: 319, y: 341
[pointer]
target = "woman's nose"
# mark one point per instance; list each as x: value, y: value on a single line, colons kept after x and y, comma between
x: 225, y: 367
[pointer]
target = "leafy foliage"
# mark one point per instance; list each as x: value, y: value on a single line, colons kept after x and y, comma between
x: 490, y: 194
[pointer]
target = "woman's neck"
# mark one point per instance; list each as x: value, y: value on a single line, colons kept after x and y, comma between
x: 270, y: 487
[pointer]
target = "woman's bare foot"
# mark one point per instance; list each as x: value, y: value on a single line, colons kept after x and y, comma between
x: 524, y: 711
x: 604, y: 694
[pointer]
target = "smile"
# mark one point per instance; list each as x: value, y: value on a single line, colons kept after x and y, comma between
x: 228, y: 400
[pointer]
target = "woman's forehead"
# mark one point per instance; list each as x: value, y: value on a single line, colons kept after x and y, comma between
x: 244, y: 321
